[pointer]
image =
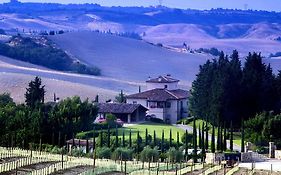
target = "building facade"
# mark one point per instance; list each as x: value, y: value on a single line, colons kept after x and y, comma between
x: 163, y: 98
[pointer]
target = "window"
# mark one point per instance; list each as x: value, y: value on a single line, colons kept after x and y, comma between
x: 135, y: 102
x: 166, y: 86
x: 168, y: 104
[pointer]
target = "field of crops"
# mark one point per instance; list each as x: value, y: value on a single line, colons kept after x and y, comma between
x: 18, y: 161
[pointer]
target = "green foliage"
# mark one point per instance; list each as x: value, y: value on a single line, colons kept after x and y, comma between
x: 121, y: 97
x: 103, y: 153
x: 47, y: 121
x: 6, y: 99
x: 224, y: 91
x: 35, y: 93
x: 149, y: 155
x: 174, y: 155
x: 121, y: 153
x: 42, y: 52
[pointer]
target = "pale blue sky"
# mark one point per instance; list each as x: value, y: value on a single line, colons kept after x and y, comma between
x: 270, y: 5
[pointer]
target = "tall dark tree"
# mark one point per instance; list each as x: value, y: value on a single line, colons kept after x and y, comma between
x: 123, y: 138
x: 186, y: 143
x: 213, y: 148
x: 154, y: 138
x: 146, y: 137
x: 170, y: 139
x: 231, y: 137
x: 35, y: 93
x: 130, y: 139
x: 178, y: 140
x: 242, y: 137
x: 194, y: 140
x: 162, y: 142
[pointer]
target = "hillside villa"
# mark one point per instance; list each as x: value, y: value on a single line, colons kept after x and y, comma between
x: 163, y: 99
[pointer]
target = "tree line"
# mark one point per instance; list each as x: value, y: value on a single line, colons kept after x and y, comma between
x: 226, y: 92
x: 36, y: 121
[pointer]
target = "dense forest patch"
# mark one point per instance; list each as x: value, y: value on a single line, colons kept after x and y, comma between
x: 41, y: 51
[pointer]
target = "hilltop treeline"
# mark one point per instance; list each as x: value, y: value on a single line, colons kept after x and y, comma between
x: 42, y: 52
x: 225, y: 91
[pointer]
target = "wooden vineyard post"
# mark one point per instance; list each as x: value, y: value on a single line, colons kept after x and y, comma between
x: 94, y: 165
x: 125, y: 167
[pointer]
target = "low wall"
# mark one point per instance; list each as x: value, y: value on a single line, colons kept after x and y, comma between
x: 278, y: 154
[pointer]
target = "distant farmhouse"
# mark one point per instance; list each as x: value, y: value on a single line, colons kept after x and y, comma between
x: 163, y: 100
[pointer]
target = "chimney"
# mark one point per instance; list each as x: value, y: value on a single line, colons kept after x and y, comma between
x: 168, y: 75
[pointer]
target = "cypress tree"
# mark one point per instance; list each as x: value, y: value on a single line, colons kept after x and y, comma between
x: 178, y: 140
x: 116, y: 137
x: 213, y: 149
x: 123, y: 138
x: 108, y: 136
x: 138, y: 142
x: 101, y: 139
x: 186, y: 144
x: 154, y: 139
x: 231, y: 137
x: 94, y: 139
x: 170, y: 140
x: 194, y: 141
x: 242, y: 137
x: 130, y: 139
x: 162, y: 142
x: 146, y: 137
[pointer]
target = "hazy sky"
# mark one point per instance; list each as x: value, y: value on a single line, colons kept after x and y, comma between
x: 270, y: 5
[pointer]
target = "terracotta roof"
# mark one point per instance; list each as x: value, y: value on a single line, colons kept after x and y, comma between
x: 120, y: 108
x: 160, y: 95
x: 163, y: 79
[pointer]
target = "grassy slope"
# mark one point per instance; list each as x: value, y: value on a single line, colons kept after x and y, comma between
x: 129, y: 59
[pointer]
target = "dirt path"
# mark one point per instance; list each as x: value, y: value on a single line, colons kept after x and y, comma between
x: 74, y: 170
x: 27, y: 169
x: 196, y: 172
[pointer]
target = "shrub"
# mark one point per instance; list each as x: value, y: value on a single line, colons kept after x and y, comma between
x: 189, y: 138
x: 122, y: 154
x: 103, y: 153
x: 149, y: 155
x: 175, y: 155
x: 156, y: 120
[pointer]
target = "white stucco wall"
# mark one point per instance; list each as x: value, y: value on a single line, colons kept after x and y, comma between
x: 170, y: 86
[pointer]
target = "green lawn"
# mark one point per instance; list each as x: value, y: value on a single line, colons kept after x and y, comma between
x: 158, y: 128
x: 151, y: 127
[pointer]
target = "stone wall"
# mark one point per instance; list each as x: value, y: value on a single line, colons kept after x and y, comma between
x: 278, y: 154
x: 214, y: 158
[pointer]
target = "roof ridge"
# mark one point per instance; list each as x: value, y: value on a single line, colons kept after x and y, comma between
x: 171, y: 93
